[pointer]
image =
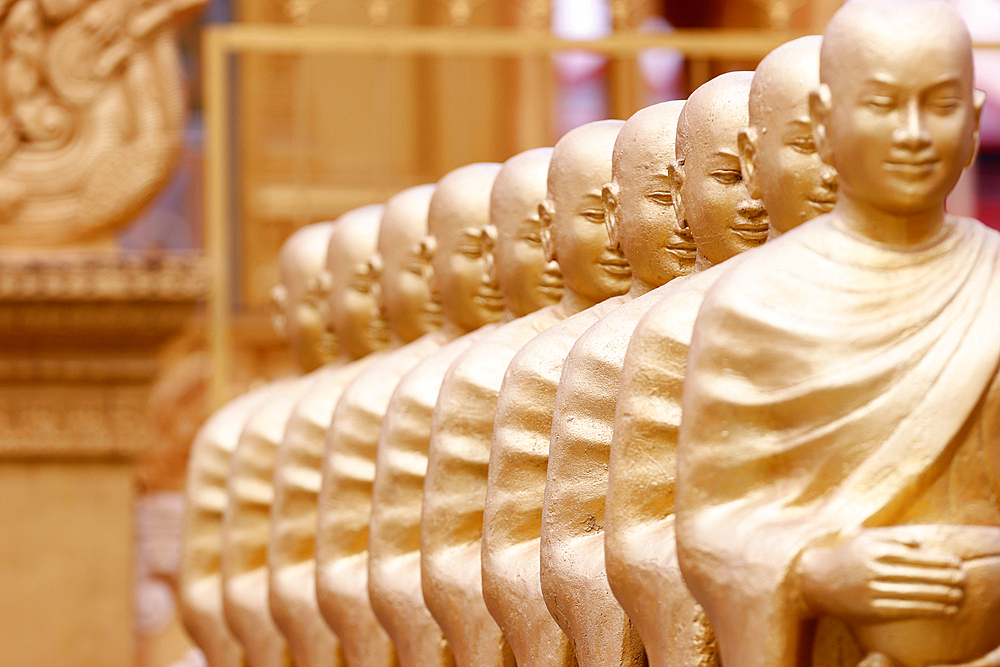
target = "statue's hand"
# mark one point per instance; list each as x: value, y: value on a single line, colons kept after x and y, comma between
x: 871, y: 578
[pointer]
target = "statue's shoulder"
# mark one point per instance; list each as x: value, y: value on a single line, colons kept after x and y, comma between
x: 551, y: 347
x: 222, y: 429
x: 270, y: 415
x: 485, y: 362
x: 316, y: 406
x: 671, y: 319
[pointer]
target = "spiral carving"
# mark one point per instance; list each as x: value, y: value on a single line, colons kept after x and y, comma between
x: 92, y: 115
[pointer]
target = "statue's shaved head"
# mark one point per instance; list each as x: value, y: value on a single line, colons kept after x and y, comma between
x: 714, y: 107
x: 784, y: 79
x: 861, y: 32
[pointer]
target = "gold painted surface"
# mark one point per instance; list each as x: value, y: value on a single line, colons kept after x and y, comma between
x: 201, y: 547
x: 639, y: 210
x: 81, y: 332
x: 463, y: 414
x: 95, y: 117
x: 712, y: 202
x: 352, y: 443
x: 210, y: 559
x: 471, y: 303
x: 594, y: 273
x: 455, y: 491
x: 290, y: 555
x: 66, y: 588
x: 860, y: 381
x: 354, y: 318
x: 780, y: 165
x: 245, y: 528
x: 348, y: 472
x: 287, y: 204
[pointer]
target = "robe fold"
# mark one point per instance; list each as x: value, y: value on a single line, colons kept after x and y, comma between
x: 451, y: 527
x: 394, y: 581
x: 345, y: 504
x: 246, y: 527
x: 291, y: 548
x: 833, y: 384
x: 640, y: 551
x: 573, y: 577
x: 516, y: 489
x: 201, y: 545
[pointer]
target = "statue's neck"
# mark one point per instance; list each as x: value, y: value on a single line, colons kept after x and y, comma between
x: 452, y: 330
x: 573, y: 302
x: 904, y: 231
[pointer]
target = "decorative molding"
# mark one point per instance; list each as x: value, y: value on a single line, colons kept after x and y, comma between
x: 93, y: 115
x: 73, y: 421
x: 80, y: 336
x: 75, y: 276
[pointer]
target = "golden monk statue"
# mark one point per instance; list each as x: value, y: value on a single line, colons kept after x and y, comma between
x: 405, y: 305
x: 640, y: 217
x: 838, y: 453
x: 352, y: 443
x: 470, y: 298
x: 593, y: 272
x: 297, y: 321
x: 246, y: 522
x: 361, y: 331
x: 462, y: 425
x: 781, y: 167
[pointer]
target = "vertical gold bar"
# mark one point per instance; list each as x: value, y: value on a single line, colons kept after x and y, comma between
x: 216, y: 193
x: 700, y: 71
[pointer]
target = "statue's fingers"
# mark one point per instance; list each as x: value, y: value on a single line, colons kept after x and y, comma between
x: 891, y: 608
x: 922, y: 592
x: 902, y: 555
x: 947, y: 576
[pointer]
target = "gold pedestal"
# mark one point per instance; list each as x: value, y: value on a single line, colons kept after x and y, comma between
x: 79, y: 339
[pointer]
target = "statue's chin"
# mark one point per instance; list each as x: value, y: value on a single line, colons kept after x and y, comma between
x: 971, y: 633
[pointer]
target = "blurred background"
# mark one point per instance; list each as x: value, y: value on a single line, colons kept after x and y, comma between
x: 294, y: 111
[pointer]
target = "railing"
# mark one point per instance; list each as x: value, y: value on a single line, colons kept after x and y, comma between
x: 223, y: 41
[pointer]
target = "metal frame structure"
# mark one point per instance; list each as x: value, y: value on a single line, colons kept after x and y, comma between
x: 226, y: 40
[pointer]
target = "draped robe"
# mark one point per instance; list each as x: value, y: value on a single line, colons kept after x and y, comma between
x: 246, y: 526
x: 201, y: 546
x: 833, y: 385
x: 640, y: 552
x: 345, y: 504
x: 573, y: 577
x: 291, y: 547
x: 397, y: 499
x: 516, y: 488
x: 451, y: 526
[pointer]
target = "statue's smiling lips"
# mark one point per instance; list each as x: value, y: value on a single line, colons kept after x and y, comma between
x: 616, y: 265
x: 490, y: 298
x: 917, y: 168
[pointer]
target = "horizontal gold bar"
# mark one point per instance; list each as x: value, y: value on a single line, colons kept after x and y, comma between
x: 696, y: 43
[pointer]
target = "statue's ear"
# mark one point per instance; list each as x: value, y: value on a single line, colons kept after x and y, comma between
x: 819, y: 113
x: 426, y: 250
x: 546, y: 211
x: 488, y: 240
x: 747, y: 143
x: 279, y: 311
x: 978, y: 100
x: 375, y: 267
x: 609, y: 197
x: 675, y: 173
